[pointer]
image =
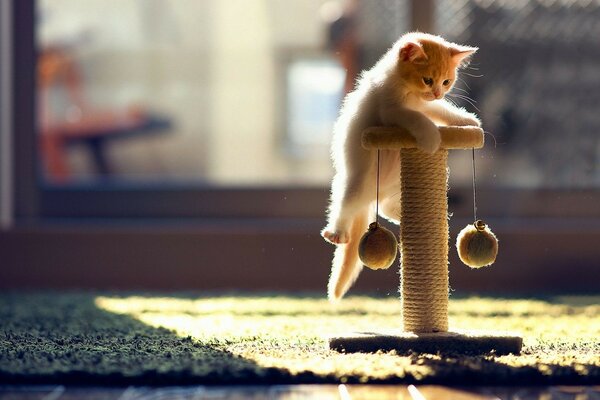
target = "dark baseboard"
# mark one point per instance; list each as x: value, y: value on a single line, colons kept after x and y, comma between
x: 534, y: 258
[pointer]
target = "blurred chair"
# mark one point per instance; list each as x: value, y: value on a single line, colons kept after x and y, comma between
x: 80, y: 122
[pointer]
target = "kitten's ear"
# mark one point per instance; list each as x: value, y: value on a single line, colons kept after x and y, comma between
x: 413, y: 52
x: 462, y: 54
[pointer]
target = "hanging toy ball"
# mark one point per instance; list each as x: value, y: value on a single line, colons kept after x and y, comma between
x: 378, y: 247
x: 477, y: 245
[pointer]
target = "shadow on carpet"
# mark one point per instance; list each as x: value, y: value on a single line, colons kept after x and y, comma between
x: 177, y: 340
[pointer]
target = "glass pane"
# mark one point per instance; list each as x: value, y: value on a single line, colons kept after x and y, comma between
x: 236, y: 92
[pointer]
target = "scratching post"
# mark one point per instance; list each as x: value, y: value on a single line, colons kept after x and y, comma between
x: 424, y: 252
x: 424, y: 240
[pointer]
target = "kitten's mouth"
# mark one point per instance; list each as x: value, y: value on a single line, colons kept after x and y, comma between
x: 431, y: 97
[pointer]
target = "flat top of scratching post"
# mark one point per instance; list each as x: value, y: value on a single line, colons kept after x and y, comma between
x: 453, y: 137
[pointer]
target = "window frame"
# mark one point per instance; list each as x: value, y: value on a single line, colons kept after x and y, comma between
x: 25, y: 162
x: 6, y: 160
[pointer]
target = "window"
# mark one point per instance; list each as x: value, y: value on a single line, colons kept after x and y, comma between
x: 164, y: 97
x: 219, y: 112
x: 189, y: 92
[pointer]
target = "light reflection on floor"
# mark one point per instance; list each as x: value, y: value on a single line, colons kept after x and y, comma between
x: 297, y: 392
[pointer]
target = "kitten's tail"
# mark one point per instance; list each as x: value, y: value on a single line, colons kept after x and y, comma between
x: 346, y: 265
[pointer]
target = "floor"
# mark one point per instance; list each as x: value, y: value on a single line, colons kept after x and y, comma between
x: 121, y: 340
x: 321, y: 392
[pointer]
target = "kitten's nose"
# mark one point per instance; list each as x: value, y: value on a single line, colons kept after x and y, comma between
x: 437, y: 93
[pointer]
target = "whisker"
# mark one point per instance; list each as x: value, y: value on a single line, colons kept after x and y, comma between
x: 493, y: 137
x: 473, y: 76
x: 471, y: 102
x: 462, y: 96
x: 465, y: 82
x: 452, y: 102
x: 467, y: 99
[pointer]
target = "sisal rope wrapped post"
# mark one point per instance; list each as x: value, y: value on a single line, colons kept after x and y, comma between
x: 423, y: 221
x: 424, y: 240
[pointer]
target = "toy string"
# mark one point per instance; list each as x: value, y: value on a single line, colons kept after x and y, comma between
x: 474, y: 188
x: 377, y: 192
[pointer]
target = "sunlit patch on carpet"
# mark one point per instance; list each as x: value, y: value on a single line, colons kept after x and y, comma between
x: 181, y: 339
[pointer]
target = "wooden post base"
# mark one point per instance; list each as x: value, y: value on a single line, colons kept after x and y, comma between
x: 465, y: 342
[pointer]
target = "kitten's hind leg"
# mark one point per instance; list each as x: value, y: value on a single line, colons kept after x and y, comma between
x: 389, y: 209
x: 334, y: 236
x: 349, y: 198
x: 346, y: 265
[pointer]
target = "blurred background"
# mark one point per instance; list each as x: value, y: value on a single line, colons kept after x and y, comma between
x: 232, y: 92
x: 210, y: 91
x: 190, y: 139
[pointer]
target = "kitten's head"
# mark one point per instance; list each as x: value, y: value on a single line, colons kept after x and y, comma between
x: 428, y: 64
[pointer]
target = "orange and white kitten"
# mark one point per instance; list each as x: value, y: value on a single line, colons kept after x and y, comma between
x: 405, y: 88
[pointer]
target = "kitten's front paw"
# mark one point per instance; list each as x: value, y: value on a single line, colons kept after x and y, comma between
x: 429, y: 143
x: 471, y: 120
x: 334, y: 236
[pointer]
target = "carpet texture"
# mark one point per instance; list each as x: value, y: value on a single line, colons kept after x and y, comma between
x: 150, y: 340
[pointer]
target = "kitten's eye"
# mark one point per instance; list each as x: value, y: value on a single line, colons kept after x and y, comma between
x: 428, y: 81
x: 446, y: 82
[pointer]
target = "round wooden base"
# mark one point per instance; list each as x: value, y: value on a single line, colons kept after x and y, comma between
x: 465, y: 342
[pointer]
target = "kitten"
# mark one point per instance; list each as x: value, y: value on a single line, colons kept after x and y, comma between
x: 405, y: 88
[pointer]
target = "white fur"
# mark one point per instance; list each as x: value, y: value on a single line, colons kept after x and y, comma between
x: 379, y: 99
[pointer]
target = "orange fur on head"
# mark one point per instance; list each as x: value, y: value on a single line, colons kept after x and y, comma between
x: 428, y: 63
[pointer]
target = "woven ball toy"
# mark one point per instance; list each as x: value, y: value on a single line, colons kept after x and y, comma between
x: 477, y: 245
x: 378, y: 247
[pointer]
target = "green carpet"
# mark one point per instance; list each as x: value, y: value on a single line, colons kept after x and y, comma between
x: 123, y: 340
